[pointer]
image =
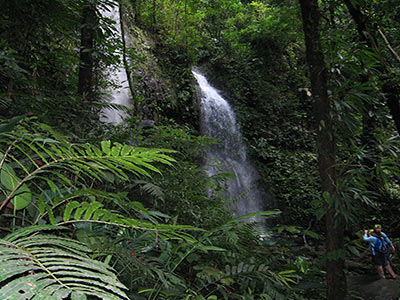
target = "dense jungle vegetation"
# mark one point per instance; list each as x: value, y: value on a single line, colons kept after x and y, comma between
x: 92, y: 210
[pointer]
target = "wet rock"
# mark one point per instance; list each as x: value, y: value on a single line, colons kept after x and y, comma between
x: 369, y: 287
x: 146, y: 123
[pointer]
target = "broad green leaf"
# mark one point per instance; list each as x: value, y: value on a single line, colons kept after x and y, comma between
x: 22, y: 197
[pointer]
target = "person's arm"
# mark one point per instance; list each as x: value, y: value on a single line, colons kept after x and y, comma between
x: 372, y: 241
x: 368, y: 238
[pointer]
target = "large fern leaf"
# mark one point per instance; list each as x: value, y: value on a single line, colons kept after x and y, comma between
x: 94, y: 212
x: 151, y: 189
x: 38, y: 153
x: 35, y: 265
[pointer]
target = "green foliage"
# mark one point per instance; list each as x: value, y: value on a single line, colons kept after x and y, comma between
x: 10, y: 182
x: 35, y: 265
x: 216, y: 264
x: 47, y: 157
x: 168, y: 265
x: 33, y: 64
x: 39, y: 70
x: 154, y: 257
x: 250, y: 50
x: 151, y: 189
x: 126, y: 202
x: 67, y: 166
x: 242, y: 273
x: 184, y: 187
x: 94, y: 212
x: 57, y: 172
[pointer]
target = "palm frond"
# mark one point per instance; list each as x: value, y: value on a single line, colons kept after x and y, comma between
x: 94, y: 212
x: 43, y: 154
x: 35, y: 265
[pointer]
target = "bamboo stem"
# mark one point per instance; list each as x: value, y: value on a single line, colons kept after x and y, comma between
x: 389, y: 45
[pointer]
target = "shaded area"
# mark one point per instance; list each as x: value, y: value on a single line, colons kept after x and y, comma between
x: 369, y: 287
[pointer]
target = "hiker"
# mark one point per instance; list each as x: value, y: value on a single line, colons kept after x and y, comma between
x: 379, y: 244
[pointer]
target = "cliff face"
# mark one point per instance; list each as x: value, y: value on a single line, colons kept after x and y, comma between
x: 161, y: 80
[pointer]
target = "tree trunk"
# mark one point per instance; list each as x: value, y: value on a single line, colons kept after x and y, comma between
x: 124, y: 50
x: 154, y: 15
x: 368, y: 141
x: 85, y: 83
x: 368, y: 35
x: 336, y: 280
x: 138, y: 12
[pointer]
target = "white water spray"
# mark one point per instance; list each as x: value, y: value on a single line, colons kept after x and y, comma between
x: 120, y: 94
x: 218, y: 121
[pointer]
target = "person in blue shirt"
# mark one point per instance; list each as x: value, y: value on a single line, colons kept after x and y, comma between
x: 379, y: 244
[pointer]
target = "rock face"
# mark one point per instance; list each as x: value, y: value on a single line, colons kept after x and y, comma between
x: 370, y: 288
x: 161, y: 81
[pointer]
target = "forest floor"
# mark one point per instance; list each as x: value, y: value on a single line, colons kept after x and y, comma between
x: 369, y: 287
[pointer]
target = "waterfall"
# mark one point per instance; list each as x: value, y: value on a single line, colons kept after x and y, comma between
x: 120, y: 93
x: 218, y: 121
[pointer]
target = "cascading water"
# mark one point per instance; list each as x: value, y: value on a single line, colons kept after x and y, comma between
x: 218, y: 121
x: 120, y: 94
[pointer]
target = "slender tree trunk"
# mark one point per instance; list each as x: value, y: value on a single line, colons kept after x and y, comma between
x: 336, y: 280
x: 154, y: 15
x: 124, y: 50
x: 186, y: 29
x: 368, y: 35
x: 138, y: 12
x: 85, y: 83
x: 134, y: 5
x: 10, y: 88
x: 368, y: 138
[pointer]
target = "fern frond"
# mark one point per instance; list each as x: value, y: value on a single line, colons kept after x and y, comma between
x: 34, y: 265
x: 37, y: 156
x: 152, y: 189
x: 111, y: 106
x: 93, y: 212
x: 6, y: 127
